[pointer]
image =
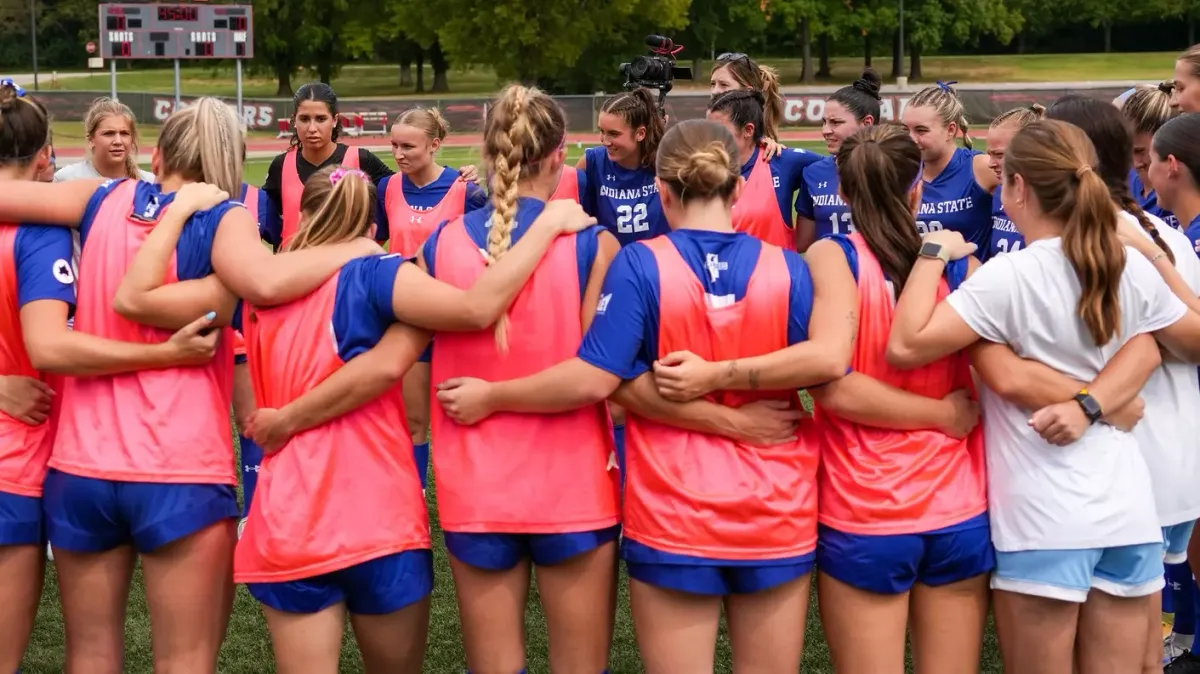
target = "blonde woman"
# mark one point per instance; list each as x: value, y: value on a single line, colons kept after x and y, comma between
x: 112, y: 138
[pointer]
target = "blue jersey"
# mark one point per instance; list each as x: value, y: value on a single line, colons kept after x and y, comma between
x: 1005, y: 237
x: 270, y: 225
x: 42, y: 256
x: 1149, y: 200
x: 623, y: 201
x: 193, y: 253
x: 476, y: 222
x: 955, y: 201
x: 1193, y: 234
x: 787, y: 175
x: 820, y: 202
x: 623, y: 338
x: 362, y: 306
x: 422, y: 198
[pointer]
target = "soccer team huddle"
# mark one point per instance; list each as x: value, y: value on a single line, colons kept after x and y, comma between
x: 1000, y: 349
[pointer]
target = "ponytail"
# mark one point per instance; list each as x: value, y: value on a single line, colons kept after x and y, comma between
x: 1091, y: 244
x: 773, y: 101
x: 336, y: 206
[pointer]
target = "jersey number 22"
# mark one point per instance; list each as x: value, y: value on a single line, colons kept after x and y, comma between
x: 632, y: 219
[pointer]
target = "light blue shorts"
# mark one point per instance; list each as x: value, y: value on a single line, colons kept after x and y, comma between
x: 1068, y: 575
x: 1175, y: 542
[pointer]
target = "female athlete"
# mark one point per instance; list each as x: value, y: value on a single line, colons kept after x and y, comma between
x: 409, y: 209
x: 112, y: 151
x: 957, y: 185
x: 764, y: 209
x: 1005, y: 237
x: 1147, y: 109
x: 820, y: 211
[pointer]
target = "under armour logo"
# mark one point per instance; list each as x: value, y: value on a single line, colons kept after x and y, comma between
x: 610, y: 177
x: 822, y: 185
x: 415, y: 219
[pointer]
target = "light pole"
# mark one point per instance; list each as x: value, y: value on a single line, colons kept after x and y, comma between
x: 33, y: 36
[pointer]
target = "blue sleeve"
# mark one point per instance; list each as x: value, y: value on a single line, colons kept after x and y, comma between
x: 956, y: 273
x: 801, y: 303
x: 429, y: 248
x: 42, y: 255
x: 804, y: 205
x: 587, y: 244
x: 476, y: 198
x: 270, y: 224
x: 383, y: 230
x: 615, y: 342
x: 193, y: 253
x: 847, y: 248
x: 1193, y: 235
x: 581, y: 176
x: 93, y: 206
x: 591, y: 180
x: 362, y: 309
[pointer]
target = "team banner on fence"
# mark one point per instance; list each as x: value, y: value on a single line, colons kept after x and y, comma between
x: 466, y: 114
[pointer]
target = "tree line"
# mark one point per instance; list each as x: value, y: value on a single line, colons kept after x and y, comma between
x: 575, y: 46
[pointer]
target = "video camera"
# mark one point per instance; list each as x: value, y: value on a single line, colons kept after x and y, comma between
x: 657, y: 71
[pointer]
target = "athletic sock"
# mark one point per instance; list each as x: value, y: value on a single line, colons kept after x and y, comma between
x: 252, y: 456
x: 421, y: 455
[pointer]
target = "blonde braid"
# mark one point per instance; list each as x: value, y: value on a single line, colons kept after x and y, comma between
x: 505, y: 193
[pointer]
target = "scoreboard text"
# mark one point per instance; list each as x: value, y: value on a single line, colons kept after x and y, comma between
x: 129, y: 31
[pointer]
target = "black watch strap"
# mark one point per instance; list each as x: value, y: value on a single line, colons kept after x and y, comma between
x: 1090, y: 405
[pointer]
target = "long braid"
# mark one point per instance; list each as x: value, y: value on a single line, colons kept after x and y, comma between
x: 509, y: 155
x: 1128, y: 203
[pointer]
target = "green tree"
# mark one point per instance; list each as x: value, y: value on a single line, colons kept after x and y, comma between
x: 277, y: 23
x: 928, y: 24
x: 529, y: 40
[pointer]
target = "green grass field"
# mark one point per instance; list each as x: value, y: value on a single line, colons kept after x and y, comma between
x: 247, y: 648
x: 384, y: 81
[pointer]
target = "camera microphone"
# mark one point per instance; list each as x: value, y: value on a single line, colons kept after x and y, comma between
x: 659, y: 43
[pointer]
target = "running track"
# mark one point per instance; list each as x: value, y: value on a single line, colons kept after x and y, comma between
x: 259, y: 148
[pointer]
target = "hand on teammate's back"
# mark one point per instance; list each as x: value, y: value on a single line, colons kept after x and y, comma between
x: 270, y: 428
x: 196, y: 197
x: 1060, y: 424
x: 953, y: 242
x: 1128, y: 416
x: 465, y: 400
x: 25, y: 399
x: 566, y: 217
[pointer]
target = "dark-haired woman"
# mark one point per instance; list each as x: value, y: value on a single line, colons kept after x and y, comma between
x: 820, y: 210
x: 764, y: 208
x: 1072, y: 507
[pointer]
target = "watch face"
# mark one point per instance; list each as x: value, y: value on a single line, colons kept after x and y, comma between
x: 930, y: 249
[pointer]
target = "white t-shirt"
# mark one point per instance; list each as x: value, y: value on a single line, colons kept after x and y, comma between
x: 1096, y: 492
x: 1169, y: 433
x: 84, y: 169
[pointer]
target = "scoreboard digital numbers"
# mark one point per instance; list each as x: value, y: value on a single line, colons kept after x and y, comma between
x: 146, y: 31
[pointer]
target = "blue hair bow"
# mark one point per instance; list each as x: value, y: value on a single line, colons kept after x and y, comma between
x: 945, y: 86
x: 7, y: 82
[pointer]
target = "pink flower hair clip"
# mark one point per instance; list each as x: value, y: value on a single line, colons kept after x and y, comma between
x: 340, y: 173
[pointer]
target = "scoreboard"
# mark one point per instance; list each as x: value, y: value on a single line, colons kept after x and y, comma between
x: 176, y: 31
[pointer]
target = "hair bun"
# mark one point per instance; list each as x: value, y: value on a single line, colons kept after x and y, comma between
x: 1037, y: 109
x: 870, y: 83
x: 1166, y: 87
x: 8, y: 97
x: 707, y: 169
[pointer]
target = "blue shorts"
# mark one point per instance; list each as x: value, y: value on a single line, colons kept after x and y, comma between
x: 501, y: 552
x: 85, y: 514
x: 1068, y: 575
x: 376, y: 587
x: 1175, y: 542
x: 893, y: 564
x: 21, y: 521
x: 718, y: 577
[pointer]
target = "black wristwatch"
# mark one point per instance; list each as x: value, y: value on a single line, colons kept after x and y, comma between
x: 1090, y: 406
